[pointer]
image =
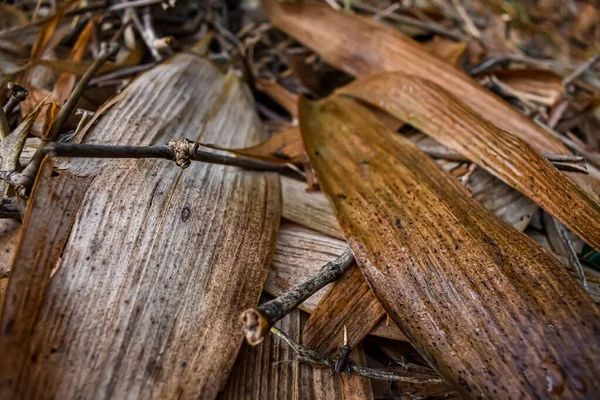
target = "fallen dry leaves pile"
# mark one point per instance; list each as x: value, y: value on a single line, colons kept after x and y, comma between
x: 451, y: 145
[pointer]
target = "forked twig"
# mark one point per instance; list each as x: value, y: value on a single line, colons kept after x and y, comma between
x: 314, y: 357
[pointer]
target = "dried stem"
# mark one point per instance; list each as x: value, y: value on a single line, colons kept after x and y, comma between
x: 562, y: 162
x: 257, y: 321
x: 580, y: 70
x: 165, y: 152
x: 17, y: 95
x: 313, y: 357
x: 410, y: 21
x: 4, y: 126
x: 29, y: 173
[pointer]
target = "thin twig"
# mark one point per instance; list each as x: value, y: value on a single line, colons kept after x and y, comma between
x: 257, y: 321
x: 580, y: 70
x: 17, y: 95
x: 133, y: 4
x: 122, y: 73
x: 29, y: 173
x: 165, y: 152
x: 562, y: 162
x: 410, y: 21
x: 563, y: 234
x: 314, y: 357
x: 464, y: 15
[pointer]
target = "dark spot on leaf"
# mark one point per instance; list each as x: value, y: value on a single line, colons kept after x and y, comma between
x: 185, y: 213
x: 398, y: 223
x: 464, y: 384
x: 341, y: 196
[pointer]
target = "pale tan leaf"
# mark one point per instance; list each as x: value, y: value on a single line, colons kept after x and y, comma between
x: 536, y: 85
x: 310, y: 209
x: 160, y: 261
x: 299, y: 255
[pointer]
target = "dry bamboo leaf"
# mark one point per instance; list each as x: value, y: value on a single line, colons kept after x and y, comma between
x: 9, y: 235
x: 270, y: 371
x: 43, y: 237
x: 65, y: 83
x: 299, y: 255
x: 484, y: 304
x: 348, y: 303
x: 446, y: 49
x: 310, y: 209
x: 537, y: 85
x: 439, y: 114
x: 506, y: 203
x: 160, y: 261
x: 12, y: 145
x: 281, y: 95
x: 361, y: 46
x: 285, y: 147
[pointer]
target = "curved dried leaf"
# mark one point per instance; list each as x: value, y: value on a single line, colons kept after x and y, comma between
x: 482, y: 302
x: 285, y: 147
x: 281, y: 95
x: 446, y: 49
x: 441, y: 115
x: 362, y: 46
x: 537, y: 85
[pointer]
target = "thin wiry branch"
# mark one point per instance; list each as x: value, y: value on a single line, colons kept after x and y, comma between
x: 314, y: 357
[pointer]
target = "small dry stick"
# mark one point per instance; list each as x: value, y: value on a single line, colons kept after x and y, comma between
x: 257, y: 321
x: 580, y: 70
x: 29, y: 173
x: 314, y: 357
x: 181, y: 151
x: 17, y: 95
x: 562, y: 162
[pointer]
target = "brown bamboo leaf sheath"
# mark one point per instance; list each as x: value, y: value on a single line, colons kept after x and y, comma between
x: 160, y: 261
x: 441, y: 115
x: 492, y: 311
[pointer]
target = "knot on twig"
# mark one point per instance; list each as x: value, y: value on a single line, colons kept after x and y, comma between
x: 19, y: 92
x: 183, y: 151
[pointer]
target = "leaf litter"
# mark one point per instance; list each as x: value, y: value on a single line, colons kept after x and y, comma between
x: 476, y: 121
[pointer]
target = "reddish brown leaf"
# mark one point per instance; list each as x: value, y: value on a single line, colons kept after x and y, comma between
x: 483, y: 303
x: 441, y: 115
x: 361, y: 46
